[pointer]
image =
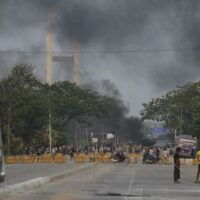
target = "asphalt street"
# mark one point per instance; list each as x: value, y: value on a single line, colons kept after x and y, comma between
x: 22, y: 172
x: 120, y: 181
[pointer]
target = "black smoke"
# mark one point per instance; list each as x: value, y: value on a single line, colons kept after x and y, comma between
x: 117, y: 120
x: 156, y: 40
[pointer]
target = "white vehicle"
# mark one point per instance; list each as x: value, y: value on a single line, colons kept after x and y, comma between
x: 2, y: 164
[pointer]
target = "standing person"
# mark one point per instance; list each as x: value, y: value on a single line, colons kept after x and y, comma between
x: 198, y: 169
x: 71, y: 152
x: 177, y: 165
x: 157, y: 153
x: 165, y: 155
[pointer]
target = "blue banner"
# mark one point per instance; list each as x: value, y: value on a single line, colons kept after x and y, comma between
x: 160, y: 131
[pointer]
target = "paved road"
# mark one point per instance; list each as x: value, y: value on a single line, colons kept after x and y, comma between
x: 22, y: 172
x: 120, y: 181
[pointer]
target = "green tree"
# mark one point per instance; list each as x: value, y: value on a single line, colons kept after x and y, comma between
x: 69, y: 101
x: 22, y: 105
x: 179, y: 109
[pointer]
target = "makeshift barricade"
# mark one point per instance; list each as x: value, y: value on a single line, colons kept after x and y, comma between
x: 133, y: 158
x: 37, y: 159
x: 99, y: 158
x: 59, y: 158
x: 27, y: 159
x: 11, y: 160
x: 196, y: 162
x: 106, y: 157
x: 81, y: 157
x: 170, y: 160
x: 91, y: 157
x: 19, y: 158
x: 46, y: 158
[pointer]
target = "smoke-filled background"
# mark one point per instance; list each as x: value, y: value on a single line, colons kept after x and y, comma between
x: 144, y: 47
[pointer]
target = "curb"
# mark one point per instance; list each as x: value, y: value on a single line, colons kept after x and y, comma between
x: 10, y: 190
x: 61, y: 176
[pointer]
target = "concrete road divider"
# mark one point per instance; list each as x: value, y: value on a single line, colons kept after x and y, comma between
x: 21, y: 187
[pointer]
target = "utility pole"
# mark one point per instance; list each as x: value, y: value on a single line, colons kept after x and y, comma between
x: 9, y: 129
x: 49, y: 69
x: 181, y: 121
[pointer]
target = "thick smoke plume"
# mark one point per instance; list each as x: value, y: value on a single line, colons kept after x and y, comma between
x: 117, y: 121
x: 149, y: 45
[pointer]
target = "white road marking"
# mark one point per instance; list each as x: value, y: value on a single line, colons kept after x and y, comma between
x: 130, y: 187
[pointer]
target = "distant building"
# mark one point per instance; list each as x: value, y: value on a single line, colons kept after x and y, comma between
x: 154, y: 129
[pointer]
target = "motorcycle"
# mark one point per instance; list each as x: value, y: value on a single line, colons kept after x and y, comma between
x: 150, y: 159
x: 120, y: 157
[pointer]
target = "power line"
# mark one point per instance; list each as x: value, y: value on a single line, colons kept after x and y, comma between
x: 123, y: 51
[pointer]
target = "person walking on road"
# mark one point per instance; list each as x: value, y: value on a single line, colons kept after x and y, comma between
x: 198, y: 169
x: 177, y: 165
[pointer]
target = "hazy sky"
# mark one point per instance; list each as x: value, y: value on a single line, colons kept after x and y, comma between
x: 144, y: 47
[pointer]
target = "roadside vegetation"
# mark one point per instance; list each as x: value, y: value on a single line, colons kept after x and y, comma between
x: 27, y: 105
x: 179, y: 109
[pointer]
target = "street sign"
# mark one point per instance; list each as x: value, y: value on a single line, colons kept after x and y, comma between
x: 109, y: 135
x: 94, y: 140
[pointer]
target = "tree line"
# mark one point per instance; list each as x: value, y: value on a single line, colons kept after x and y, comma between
x: 179, y: 109
x: 27, y: 105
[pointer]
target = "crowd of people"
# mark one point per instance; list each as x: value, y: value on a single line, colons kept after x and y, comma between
x: 150, y: 154
x: 154, y: 152
x: 69, y: 149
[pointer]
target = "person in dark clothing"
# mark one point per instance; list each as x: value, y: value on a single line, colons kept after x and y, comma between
x: 71, y: 152
x: 177, y: 165
x: 120, y: 156
x: 157, y: 153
